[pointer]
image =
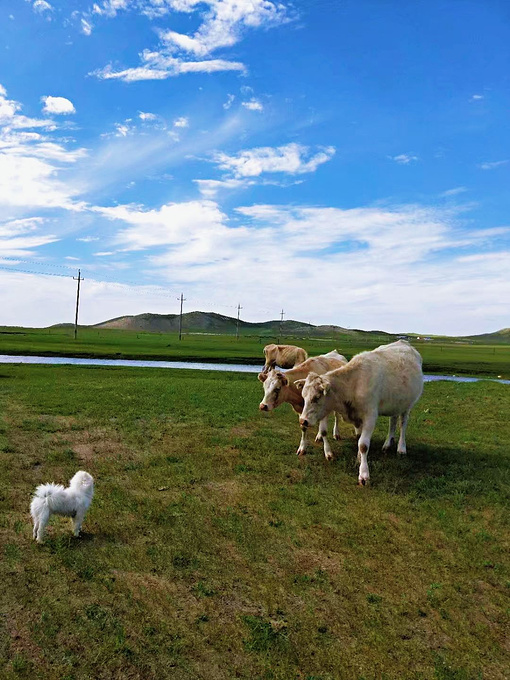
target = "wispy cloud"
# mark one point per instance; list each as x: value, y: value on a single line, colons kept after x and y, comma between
x: 404, y: 158
x: 291, y: 158
x: 492, y: 165
x: 222, y: 25
x: 453, y: 192
x: 210, y: 188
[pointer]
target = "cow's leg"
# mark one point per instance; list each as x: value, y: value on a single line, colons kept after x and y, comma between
x: 401, y: 448
x: 336, y: 428
x: 303, y: 443
x: 367, y: 430
x: 328, y: 453
x: 390, y: 439
x: 322, y: 431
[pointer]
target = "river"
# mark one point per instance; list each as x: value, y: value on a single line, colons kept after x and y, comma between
x: 196, y: 365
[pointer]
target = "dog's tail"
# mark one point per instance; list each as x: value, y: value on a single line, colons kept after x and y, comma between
x: 47, y: 490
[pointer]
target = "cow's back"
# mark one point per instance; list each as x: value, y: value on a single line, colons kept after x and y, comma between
x: 321, y: 364
x: 389, y: 377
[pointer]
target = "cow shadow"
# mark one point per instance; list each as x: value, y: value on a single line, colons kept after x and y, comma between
x: 432, y: 471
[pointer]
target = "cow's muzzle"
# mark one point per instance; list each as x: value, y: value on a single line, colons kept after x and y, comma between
x: 263, y: 407
x: 304, y: 423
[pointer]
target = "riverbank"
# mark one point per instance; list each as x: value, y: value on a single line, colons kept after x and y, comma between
x: 444, y: 358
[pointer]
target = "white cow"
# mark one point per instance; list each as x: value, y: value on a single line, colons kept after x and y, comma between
x: 285, y: 356
x: 279, y: 388
x: 387, y: 381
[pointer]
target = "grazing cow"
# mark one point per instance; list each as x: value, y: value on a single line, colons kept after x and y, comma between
x: 279, y: 388
x: 387, y: 381
x: 284, y: 356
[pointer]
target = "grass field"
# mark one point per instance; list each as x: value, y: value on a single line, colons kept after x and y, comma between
x: 443, y: 356
x: 212, y: 552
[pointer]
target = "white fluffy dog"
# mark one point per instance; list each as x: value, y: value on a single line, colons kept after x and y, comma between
x: 54, y: 499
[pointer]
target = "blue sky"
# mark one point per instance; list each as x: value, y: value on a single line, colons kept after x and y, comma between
x: 347, y: 162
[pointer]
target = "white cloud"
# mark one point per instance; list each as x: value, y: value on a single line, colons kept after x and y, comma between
x: 477, y: 97
x: 292, y: 158
x: 86, y: 27
x: 493, y: 165
x: 222, y: 25
x: 182, y: 122
x: 404, y: 158
x: 229, y: 102
x: 253, y: 105
x: 42, y: 6
x: 209, y: 188
x: 171, y: 224
x: 58, y: 105
x: 147, y: 116
x: 30, y: 163
x: 215, y: 259
x: 18, y: 238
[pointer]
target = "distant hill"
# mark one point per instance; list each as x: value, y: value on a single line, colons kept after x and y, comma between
x: 502, y: 336
x: 211, y: 322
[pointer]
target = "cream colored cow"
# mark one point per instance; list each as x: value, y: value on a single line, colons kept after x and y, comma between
x: 279, y: 388
x: 387, y: 381
x: 284, y: 356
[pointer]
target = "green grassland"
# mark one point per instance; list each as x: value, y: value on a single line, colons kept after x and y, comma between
x: 440, y: 355
x: 212, y: 552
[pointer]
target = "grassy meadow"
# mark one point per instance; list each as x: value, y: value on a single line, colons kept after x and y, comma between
x: 211, y: 551
x: 440, y: 355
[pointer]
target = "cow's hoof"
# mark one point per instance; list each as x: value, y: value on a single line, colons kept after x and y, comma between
x: 363, y: 482
x: 299, y: 452
x: 337, y: 437
x: 402, y: 453
x: 318, y: 438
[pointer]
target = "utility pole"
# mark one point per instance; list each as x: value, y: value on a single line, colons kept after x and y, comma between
x: 281, y: 324
x: 237, y: 326
x: 180, y: 317
x: 79, y: 279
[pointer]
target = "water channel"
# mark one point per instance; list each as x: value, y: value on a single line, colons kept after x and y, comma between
x: 196, y: 365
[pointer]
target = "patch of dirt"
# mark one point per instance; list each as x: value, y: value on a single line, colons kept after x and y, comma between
x: 228, y: 492
x: 96, y: 442
x: 21, y: 640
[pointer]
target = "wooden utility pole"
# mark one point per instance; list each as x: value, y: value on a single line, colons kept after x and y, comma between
x: 281, y: 324
x: 237, y: 326
x: 79, y: 279
x: 180, y: 317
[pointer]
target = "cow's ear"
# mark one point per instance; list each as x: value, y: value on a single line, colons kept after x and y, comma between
x: 284, y: 380
x: 262, y: 377
x: 326, y: 385
x: 299, y: 384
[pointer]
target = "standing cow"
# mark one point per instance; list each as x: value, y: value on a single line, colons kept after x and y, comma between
x: 279, y: 388
x: 284, y: 356
x: 387, y: 381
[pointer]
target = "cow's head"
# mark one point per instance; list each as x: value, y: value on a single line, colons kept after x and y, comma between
x: 314, y: 390
x: 274, y: 382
